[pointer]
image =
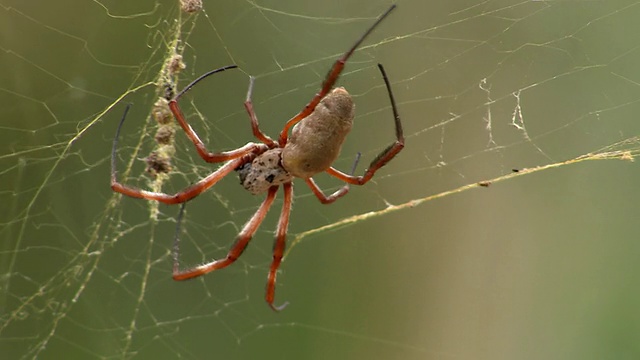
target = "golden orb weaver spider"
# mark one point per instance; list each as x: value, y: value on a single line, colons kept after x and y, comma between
x: 315, y: 142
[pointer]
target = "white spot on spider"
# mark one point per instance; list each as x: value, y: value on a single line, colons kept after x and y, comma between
x: 264, y: 172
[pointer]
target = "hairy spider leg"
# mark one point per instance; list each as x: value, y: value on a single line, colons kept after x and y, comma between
x: 238, y: 247
x: 329, y: 81
x: 206, y: 155
x: 186, y: 194
x: 279, y: 246
x: 255, y: 128
x: 336, y: 195
x: 386, y: 155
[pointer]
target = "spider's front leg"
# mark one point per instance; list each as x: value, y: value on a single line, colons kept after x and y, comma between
x: 188, y: 193
x: 255, y: 127
x: 329, y: 80
x: 206, y: 155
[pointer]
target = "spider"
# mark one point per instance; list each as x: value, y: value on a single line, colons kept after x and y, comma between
x: 315, y: 142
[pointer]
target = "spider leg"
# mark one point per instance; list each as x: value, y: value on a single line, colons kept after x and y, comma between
x: 186, y: 194
x: 386, y: 155
x: 279, y: 246
x: 255, y: 128
x: 206, y: 155
x: 242, y: 240
x: 329, y: 81
x: 336, y: 195
x: 202, y: 77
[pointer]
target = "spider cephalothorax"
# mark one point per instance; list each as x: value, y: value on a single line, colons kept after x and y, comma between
x: 315, y: 142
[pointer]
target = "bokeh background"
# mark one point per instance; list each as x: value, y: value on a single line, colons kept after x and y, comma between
x: 542, y: 265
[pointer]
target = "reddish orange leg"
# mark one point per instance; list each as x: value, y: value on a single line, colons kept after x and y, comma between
x: 242, y: 240
x: 279, y: 246
x: 324, y: 198
x: 184, y: 195
x: 329, y: 81
x: 206, y: 155
x: 336, y: 195
x: 386, y: 155
x: 255, y: 128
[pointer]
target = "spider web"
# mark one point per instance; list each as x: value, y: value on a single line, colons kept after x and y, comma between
x: 530, y: 250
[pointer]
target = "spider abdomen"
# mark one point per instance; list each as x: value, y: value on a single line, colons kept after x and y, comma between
x: 315, y: 141
x: 263, y: 172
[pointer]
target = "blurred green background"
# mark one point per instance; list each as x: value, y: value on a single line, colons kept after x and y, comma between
x: 540, y: 266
